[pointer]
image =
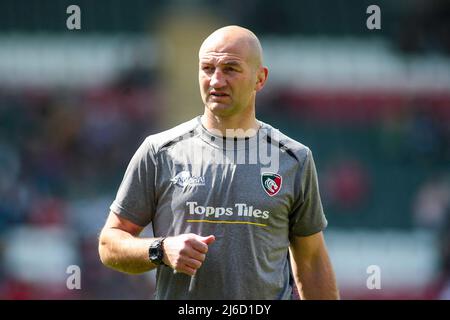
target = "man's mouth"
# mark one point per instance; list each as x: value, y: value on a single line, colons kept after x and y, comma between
x: 218, y: 94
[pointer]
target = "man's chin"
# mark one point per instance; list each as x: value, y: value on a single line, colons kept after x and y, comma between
x: 220, y: 109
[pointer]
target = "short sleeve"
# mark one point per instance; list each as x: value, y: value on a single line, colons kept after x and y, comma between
x: 307, y: 216
x: 135, y: 200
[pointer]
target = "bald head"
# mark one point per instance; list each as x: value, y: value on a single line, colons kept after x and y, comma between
x: 234, y: 40
x: 231, y: 73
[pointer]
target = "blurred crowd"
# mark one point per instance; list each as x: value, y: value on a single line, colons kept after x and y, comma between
x: 61, y: 153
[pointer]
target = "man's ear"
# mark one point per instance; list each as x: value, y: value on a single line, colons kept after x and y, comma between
x: 261, y: 78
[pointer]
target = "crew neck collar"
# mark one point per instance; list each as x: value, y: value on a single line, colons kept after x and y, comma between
x: 226, y: 143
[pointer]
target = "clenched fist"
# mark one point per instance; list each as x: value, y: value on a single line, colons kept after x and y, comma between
x: 185, y: 253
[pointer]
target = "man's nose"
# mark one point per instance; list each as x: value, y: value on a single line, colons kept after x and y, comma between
x: 217, y: 79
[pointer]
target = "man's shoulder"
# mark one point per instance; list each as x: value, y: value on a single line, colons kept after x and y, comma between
x: 292, y: 146
x: 159, y: 140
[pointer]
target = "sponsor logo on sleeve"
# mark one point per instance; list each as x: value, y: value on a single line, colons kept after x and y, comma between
x: 184, y: 178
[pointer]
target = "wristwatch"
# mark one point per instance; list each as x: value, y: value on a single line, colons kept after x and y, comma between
x: 156, y: 252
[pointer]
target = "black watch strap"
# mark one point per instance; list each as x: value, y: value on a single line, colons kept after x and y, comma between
x: 156, y: 252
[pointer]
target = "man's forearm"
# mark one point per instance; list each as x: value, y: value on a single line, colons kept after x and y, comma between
x: 316, y: 280
x: 121, y: 251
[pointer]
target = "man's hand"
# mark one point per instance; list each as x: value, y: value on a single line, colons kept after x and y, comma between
x: 185, y: 253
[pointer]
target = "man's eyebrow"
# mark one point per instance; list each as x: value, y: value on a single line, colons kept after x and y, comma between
x: 232, y: 63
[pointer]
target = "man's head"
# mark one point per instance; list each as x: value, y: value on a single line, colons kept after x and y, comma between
x: 231, y: 71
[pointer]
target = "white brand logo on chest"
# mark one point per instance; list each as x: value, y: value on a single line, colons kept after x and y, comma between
x: 184, y: 178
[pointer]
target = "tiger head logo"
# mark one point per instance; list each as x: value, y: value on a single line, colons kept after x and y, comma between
x: 271, y: 183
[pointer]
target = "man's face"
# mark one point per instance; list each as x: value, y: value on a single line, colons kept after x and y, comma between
x: 227, y: 79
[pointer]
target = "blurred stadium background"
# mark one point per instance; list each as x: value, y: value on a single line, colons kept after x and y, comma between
x: 374, y: 106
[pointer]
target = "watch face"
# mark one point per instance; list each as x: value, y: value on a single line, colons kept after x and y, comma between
x: 155, y: 252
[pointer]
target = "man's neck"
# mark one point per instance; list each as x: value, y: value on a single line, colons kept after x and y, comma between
x: 231, y: 126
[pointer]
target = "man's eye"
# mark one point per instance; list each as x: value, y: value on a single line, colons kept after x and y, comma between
x: 207, y: 69
x: 229, y: 69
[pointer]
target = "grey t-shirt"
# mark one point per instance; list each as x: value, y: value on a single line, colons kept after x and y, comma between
x: 252, y: 194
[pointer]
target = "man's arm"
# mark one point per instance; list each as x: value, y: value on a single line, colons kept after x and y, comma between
x: 122, y: 250
x: 312, y: 269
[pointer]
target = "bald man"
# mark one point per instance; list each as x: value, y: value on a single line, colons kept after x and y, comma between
x: 224, y: 213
